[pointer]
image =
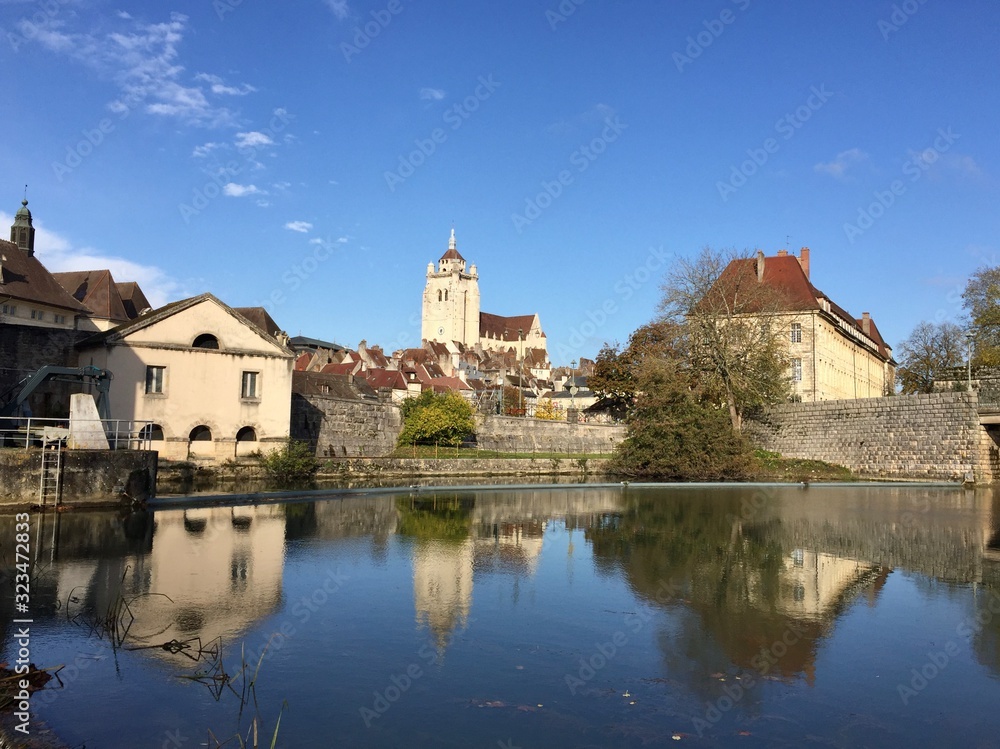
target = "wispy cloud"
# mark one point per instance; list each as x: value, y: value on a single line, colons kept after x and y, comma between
x: 432, y: 94
x: 144, y: 61
x: 842, y: 163
x: 340, y: 8
x: 253, y: 139
x: 299, y: 226
x: 204, y: 149
x: 57, y: 253
x: 235, y: 190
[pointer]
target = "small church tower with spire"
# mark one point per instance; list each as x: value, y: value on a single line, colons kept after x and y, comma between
x: 451, y: 299
x: 22, y: 233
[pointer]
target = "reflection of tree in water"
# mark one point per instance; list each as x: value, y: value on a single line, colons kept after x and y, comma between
x: 736, y: 578
x: 441, y: 517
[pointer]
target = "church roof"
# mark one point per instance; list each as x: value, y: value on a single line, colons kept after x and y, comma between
x: 97, y: 291
x: 452, y: 252
x: 504, y: 328
x: 23, y: 277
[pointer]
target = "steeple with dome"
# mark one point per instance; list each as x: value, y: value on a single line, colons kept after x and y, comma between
x: 22, y: 233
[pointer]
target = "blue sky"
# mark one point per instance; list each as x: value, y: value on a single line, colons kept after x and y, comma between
x: 313, y: 156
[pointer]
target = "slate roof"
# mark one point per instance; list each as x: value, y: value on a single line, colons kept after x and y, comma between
x: 304, y: 342
x: 24, y: 278
x: 97, y: 291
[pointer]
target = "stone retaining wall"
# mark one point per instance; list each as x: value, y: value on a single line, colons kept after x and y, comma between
x: 340, y: 427
x: 935, y: 436
x: 89, y: 477
x: 512, y: 434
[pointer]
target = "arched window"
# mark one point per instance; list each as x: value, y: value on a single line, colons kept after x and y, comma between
x: 439, y: 295
x: 151, y: 432
x: 446, y: 295
x: 200, y: 433
x: 206, y: 340
x: 246, y: 434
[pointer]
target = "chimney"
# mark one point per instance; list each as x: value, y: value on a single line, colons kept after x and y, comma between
x: 782, y: 253
x: 760, y: 266
x: 804, y: 261
x: 866, y: 323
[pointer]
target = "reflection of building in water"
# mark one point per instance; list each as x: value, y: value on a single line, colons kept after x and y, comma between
x: 442, y: 586
x: 212, y: 572
x: 509, y: 547
x: 813, y: 583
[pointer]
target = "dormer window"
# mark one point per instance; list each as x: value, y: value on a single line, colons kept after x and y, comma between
x: 206, y: 340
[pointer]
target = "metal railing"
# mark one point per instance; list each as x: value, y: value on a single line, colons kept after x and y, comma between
x: 27, y: 432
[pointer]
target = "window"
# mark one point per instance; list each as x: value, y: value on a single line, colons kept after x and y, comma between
x: 151, y: 432
x: 60, y: 319
x: 250, y: 387
x: 206, y: 340
x: 246, y: 434
x: 446, y: 295
x: 796, y: 370
x: 10, y: 309
x: 154, y: 380
x: 796, y: 332
x: 200, y: 433
x: 37, y: 314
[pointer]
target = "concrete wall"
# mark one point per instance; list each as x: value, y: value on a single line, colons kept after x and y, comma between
x: 340, y: 427
x: 935, y: 436
x: 89, y: 477
x: 512, y: 434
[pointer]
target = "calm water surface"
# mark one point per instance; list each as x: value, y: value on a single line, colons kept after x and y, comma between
x: 548, y: 617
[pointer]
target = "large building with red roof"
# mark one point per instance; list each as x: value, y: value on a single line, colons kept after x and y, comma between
x: 451, y: 312
x: 833, y: 354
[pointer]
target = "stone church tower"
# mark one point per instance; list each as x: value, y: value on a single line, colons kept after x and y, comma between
x: 451, y: 300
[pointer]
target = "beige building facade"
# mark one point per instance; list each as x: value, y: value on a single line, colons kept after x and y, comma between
x: 214, y: 385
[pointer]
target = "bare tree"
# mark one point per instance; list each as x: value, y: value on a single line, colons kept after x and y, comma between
x: 734, y: 327
x: 929, y: 349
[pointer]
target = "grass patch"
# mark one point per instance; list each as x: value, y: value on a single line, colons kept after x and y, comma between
x: 773, y: 467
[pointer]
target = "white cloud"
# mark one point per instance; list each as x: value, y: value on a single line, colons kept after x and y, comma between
x: 340, y: 8
x: 253, y: 139
x: 844, y: 161
x: 281, y: 186
x: 235, y: 190
x: 299, y: 226
x: 432, y: 94
x: 204, y: 150
x: 58, y: 255
x: 218, y: 86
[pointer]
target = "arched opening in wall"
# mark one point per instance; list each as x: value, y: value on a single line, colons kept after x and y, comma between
x: 206, y: 340
x: 200, y: 442
x: 246, y: 441
x: 151, y: 432
x: 446, y: 295
x: 439, y: 295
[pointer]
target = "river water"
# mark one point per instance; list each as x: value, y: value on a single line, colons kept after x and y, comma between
x: 604, y: 616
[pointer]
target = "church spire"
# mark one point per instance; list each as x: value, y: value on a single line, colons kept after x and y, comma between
x: 452, y: 243
x: 22, y: 233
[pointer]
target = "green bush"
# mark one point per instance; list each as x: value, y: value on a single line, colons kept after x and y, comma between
x: 436, y: 419
x: 291, y: 463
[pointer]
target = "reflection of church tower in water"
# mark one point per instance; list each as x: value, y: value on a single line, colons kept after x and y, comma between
x: 442, y: 587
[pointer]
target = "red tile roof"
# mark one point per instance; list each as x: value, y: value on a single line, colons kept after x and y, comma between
x: 504, y: 328
x: 97, y: 291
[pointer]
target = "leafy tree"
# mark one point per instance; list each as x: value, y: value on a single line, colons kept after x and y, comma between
x: 733, y: 328
x: 547, y: 410
x: 677, y: 429
x: 981, y: 299
x: 436, y: 418
x: 614, y: 377
x: 928, y: 350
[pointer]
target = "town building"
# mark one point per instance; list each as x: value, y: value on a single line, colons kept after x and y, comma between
x: 451, y: 313
x: 215, y: 384
x: 833, y: 355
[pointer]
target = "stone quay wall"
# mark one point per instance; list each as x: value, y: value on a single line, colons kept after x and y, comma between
x: 518, y: 435
x: 935, y: 436
x: 89, y: 477
x: 345, y: 428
